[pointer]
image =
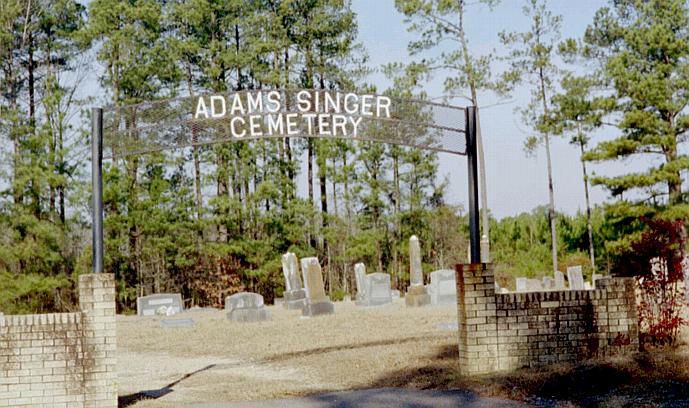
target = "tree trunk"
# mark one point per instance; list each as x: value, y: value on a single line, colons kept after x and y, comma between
x: 551, y: 193
x: 589, y: 225
x: 195, y: 151
x: 397, y: 209
x: 35, y: 152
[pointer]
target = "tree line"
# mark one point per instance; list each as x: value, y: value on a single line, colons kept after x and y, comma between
x: 211, y: 221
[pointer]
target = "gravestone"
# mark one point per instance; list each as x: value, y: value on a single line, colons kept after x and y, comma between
x: 429, y: 290
x: 395, y: 293
x: 548, y: 283
x: 534, y: 285
x: 246, y: 307
x: 360, y: 276
x: 172, y: 323
x: 417, y: 295
x: 521, y: 284
x: 575, y: 276
x: 160, y: 304
x: 529, y: 285
x: 597, y: 276
x: 317, y: 303
x: 378, y: 289
x: 444, y: 286
x: 199, y: 309
x: 294, y: 296
x: 559, y: 280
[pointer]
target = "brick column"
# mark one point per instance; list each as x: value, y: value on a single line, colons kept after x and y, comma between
x: 97, y: 301
x: 476, y: 311
x: 621, y: 334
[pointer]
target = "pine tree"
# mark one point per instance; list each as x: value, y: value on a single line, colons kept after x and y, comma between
x: 577, y: 113
x: 642, y: 48
x: 531, y: 58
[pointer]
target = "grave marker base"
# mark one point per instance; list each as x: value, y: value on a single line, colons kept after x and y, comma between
x: 417, y: 296
x: 320, y: 308
x: 177, y: 323
x: 380, y: 302
x: 294, y: 299
x: 248, y: 315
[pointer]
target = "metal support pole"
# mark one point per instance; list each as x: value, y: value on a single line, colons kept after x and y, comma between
x: 97, y: 182
x: 474, y: 233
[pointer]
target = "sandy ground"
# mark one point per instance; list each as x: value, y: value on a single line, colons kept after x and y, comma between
x: 360, y: 348
x: 220, y: 360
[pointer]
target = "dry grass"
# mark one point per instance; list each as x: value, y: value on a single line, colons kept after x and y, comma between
x: 358, y: 347
x: 355, y: 348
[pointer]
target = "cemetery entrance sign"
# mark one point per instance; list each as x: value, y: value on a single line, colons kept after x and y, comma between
x: 122, y: 131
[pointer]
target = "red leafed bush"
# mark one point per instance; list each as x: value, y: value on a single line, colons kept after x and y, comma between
x: 656, y: 260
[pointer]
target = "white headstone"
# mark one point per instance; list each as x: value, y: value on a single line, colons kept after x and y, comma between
x: 521, y: 284
x: 161, y: 304
x: 317, y: 302
x: 529, y: 285
x: 378, y: 289
x: 534, y: 285
x: 360, y: 276
x: 415, y: 271
x: 290, y: 269
x: 243, y: 300
x: 246, y: 307
x: 575, y: 276
x: 444, y: 287
x: 417, y: 294
x: 294, y: 296
x: 559, y: 280
x: 548, y: 283
x: 313, y: 279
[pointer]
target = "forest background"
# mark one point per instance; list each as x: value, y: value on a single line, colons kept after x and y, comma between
x: 212, y: 221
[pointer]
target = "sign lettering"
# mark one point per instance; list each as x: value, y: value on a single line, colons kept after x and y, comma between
x: 267, y: 113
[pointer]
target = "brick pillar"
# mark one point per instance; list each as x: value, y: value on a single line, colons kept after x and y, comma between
x: 97, y: 302
x: 476, y: 311
x: 621, y: 334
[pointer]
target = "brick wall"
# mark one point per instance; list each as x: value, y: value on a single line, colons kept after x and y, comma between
x: 62, y: 359
x: 507, y: 331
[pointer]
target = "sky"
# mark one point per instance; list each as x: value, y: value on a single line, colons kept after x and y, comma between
x: 516, y: 182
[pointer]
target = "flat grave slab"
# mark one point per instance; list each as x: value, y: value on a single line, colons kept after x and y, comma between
x: 173, y: 323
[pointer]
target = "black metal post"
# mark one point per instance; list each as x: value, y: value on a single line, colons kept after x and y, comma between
x: 474, y: 234
x: 97, y: 182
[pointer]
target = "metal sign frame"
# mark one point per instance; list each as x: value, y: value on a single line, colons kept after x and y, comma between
x: 97, y: 178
